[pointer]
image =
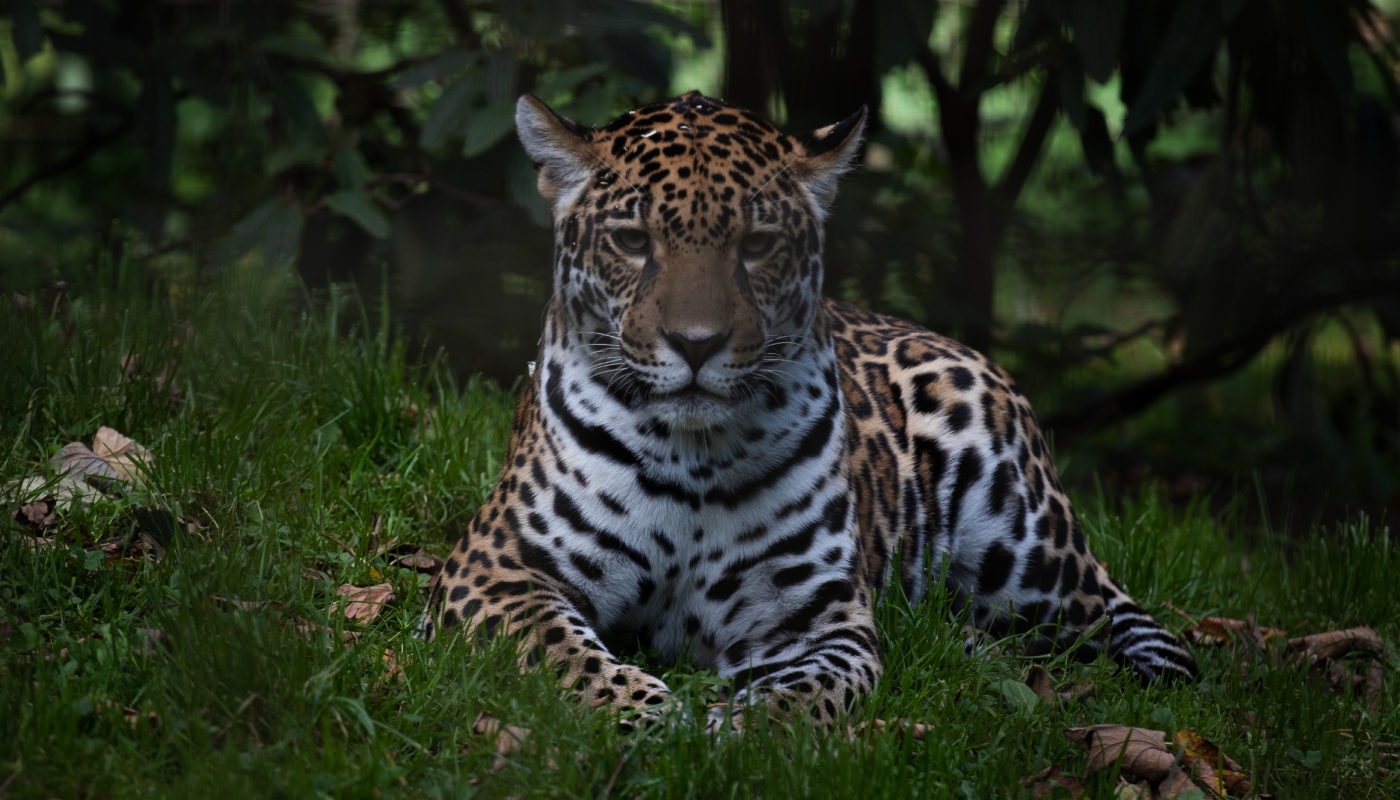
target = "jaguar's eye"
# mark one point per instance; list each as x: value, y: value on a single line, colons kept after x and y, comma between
x: 756, y: 244
x: 631, y: 240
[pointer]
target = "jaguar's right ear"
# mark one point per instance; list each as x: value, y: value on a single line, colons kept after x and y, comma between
x: 559, y: 147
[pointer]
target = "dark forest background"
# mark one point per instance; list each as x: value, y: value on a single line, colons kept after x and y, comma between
x: 1174, y: 221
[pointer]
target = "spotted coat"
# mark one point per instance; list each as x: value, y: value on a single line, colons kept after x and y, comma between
x: 714, y: 462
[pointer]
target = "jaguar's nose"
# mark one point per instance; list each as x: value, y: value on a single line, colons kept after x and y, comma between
x: 696, y: 349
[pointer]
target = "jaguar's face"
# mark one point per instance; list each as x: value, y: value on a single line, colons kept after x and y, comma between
x: 688, y: 238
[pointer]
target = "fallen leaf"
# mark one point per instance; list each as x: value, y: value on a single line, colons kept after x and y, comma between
x: 1223, y: 631
x: 1178, y: 786
x: 37, y: 515
x: 1039, y: 681
x: 76, y: 460
x: 363, y: 603
x: 1018, y: 695
x: 1333, y: 645
x: 1216, y: 770
x: 127, y: 457
x: 509, y: 738
x: 1043, y: 783
x: 1324, y: 651
x: 1143, y: 752
x: 421, y: 562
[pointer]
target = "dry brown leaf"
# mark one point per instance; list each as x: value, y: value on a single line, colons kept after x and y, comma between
x: 1043, y: 783
x: 77, y: 460
x: 1221, y: 630
x: 37, y: 515
x: 1333, y: 645
x: 425, y: 563
x: 363, y: 603
x: 1217, y: 771
x: 1324, y: 651
x: 509, y: 738
x: 1143, y: 752
x: 128, y: 458
x: 1177, y: 783
x: 1039, y: 680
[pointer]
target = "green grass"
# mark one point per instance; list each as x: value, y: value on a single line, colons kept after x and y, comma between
x: 295, y: 438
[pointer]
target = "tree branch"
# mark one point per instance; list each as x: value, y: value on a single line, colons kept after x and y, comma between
x: 74, y: 159
x: 1215, y: 362
x: 1031, y: 143
x: 980, y: 33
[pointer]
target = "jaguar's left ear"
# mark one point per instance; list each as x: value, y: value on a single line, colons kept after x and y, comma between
x: 827, y: 154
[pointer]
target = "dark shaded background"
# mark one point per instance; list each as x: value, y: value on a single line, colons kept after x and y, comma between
x: 1174, y: 220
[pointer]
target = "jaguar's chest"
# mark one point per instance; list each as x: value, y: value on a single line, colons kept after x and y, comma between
x: 676, y: 552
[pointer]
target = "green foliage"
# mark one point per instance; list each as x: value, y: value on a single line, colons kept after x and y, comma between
x: 332, y: 114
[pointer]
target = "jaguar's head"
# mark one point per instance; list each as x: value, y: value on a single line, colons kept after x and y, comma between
x: 688, y: 246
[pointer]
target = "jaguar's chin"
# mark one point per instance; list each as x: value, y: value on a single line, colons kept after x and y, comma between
x: 693, y: 408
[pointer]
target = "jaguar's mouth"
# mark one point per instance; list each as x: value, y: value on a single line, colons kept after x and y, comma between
x: 693, y: 392
x: 691, y: 407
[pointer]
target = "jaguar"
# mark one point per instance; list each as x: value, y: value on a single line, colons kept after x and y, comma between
x: 714, y: 462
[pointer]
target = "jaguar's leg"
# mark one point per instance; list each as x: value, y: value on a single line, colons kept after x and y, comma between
x: 493, y: 593
x: 817, y: 660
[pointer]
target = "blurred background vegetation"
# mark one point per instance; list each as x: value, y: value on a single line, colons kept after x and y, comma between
x: 1174, y: 221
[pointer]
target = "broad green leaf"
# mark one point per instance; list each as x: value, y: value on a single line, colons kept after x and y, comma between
x: 568, y: 79
x: 1098, y: 31
x: 624, y: 16
x: 450, y: 111
x: 296, y: 154
x: 1192, y: 37
x: 296, y: 45
x: 1019, y: 696
x: 359, y: 207
x: 351, y: 169
x: 295, y: 104
x: 487, y: 126
x: 435, y: 68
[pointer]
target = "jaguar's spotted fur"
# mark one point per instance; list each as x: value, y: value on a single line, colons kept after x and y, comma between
x: 714, y: 461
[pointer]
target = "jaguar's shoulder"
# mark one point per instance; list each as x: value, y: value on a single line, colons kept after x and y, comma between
x: 866, y: 338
